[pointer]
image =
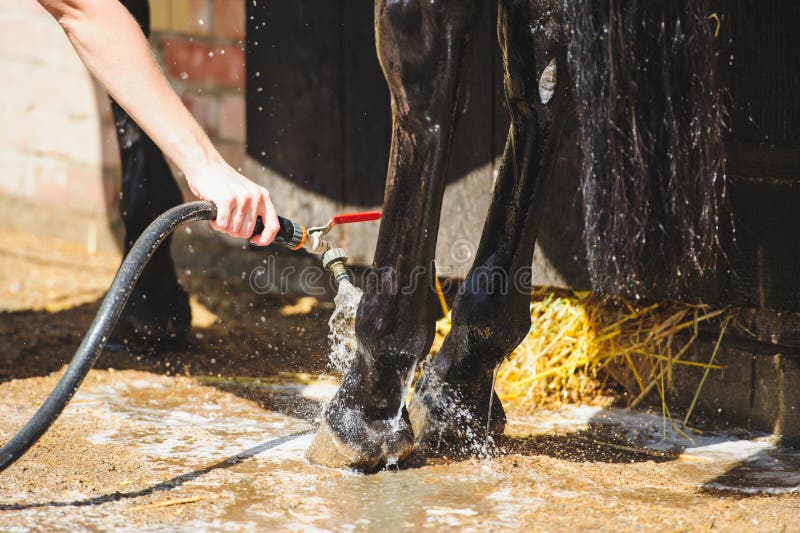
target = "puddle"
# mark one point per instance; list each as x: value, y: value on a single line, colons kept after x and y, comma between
x: 141, y: 440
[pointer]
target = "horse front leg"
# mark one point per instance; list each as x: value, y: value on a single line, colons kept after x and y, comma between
x: 491, y: 314
x: 421, y: 49
x: 158, y: 310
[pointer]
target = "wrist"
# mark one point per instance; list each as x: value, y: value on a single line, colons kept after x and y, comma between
x: 202, y: 165
x: 192, y: 152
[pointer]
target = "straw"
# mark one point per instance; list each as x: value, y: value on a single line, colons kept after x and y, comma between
x: 579, y: 343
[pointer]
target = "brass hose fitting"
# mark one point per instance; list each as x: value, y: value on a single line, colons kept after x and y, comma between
x: 334, y: 260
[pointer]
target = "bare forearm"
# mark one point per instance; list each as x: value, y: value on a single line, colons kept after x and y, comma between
x: 113, y: 48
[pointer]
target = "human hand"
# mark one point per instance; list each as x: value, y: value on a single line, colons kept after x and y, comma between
x: 239, y: 202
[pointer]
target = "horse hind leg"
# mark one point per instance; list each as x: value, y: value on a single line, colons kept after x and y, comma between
x: 491, y: 313
x: 421, y: 47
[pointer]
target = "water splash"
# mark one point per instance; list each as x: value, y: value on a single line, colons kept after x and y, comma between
x: 491, y: 401
x: 342, y: 325
x: 472, y: 437
x: 404, y: 396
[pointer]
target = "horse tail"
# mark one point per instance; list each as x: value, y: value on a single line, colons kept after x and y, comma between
x: 651, y: 122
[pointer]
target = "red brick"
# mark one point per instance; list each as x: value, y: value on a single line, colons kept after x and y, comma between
x: 227, y: 66
x: 202, y: 63
x: 231, y: 118
x: 205, y: 109
x: 229, y: 19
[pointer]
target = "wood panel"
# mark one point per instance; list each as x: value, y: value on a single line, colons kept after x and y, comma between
x: 760, y: 46
x: 318, y: 119
x: 294, y: 79
x: 366, y: 118
x: 759, y: 64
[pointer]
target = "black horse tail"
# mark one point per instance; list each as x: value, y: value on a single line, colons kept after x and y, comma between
x: 651, y: 121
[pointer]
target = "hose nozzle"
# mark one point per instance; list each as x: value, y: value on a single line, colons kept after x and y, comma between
x: 334, y: 260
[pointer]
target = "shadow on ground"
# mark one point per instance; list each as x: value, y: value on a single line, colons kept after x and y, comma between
x: 251, y: 343
x: 250, y: 338
x: 168, y: 485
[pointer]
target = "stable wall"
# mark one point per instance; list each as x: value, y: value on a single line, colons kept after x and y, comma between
x: 59, y: 164
x: 58, y: 151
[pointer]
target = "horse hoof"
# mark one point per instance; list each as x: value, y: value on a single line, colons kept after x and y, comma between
x: 454, y: 418
x: 345, y: 439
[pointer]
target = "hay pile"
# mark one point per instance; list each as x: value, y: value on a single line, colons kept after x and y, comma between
x: 580, y: 345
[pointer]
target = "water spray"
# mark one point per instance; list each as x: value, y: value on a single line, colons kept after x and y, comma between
x: 291, y: 235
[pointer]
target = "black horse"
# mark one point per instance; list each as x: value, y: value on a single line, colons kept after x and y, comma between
x: 639, y: 79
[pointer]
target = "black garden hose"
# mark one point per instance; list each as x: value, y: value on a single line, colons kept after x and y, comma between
x: 106, y: 318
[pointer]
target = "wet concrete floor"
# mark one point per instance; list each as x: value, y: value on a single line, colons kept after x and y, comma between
x: 211, y: 436
x: 137, y: 450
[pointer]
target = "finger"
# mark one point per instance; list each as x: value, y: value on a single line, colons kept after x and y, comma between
x: 250, y: 219
x: 239, y: 219
x: 249, y: 225
x: 224, y: 211
x: 267, y: 235
x: 270, y: 219
x: 258, y: 210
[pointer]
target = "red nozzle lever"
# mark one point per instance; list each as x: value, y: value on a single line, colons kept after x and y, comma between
x: 348, y: 218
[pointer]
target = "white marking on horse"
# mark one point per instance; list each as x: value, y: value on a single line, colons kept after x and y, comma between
x: 547, y: 82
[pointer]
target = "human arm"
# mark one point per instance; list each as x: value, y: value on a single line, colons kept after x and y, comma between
x: 115, y: 51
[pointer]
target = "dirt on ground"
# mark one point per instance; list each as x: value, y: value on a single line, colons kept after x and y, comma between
x: 50, y: 291
x: 211, y: 435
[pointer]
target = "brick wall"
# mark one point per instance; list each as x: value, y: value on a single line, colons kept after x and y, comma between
x: 55, y: 124
x: 199, y: 44
x: 57, y: 142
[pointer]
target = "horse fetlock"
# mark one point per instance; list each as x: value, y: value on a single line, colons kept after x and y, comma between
x: 390, y: 353
x: 483, y: 335
x: 452, y: 415
x: 348, y: 437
